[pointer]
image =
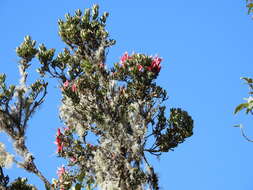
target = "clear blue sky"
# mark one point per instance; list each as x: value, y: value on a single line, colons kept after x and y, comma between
x: 206, y: 47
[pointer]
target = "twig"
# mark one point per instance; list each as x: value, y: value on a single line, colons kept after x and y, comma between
x: 244, y: 135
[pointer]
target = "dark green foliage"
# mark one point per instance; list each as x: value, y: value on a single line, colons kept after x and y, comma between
x: 87, y: 39
x: 173, y: 131
x: 180, y: 127
x: 249, y: 6
x: 4, y: 180
x: 21, y: 184
x: 248, y: 105
x: 18, y: 184
x: 27, y: 50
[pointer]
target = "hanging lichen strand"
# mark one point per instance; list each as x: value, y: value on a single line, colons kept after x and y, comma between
x: 122, y: 106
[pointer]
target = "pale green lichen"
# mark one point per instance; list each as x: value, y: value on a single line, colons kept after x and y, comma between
x: 6, y: 159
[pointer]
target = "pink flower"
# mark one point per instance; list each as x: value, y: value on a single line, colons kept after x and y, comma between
x: 124, y: 57
x: 149, y: 68
x: 66, y: 84
x: 61, y: 171
x: 139, y: 67
x: 101, y: 65
x: 59, y: 144
x: 58, y: 141
x: 157, y: 61
x: 155, y: 65
x: 74, y: 88
x: 59, y: 132
x: 73, y: 159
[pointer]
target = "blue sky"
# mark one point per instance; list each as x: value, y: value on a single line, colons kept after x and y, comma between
x: 206, y: 47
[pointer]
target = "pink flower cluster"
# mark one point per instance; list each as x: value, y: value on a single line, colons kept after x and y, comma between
x: 61, y: 171
x: 66, y: 85
x: 140, y: 67
x: 58, y: 141
x: 73, y: 159
x: 125, y: 57
x: 155, y: 65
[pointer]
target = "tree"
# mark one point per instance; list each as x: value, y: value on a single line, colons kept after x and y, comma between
x: 122, y: 106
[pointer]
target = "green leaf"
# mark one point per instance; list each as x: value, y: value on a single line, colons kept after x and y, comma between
x: 250, y: 5
x: 248, y: 80
x: 47, y: 188
x: 240, y: 107
x: 81, y: 177
x: 86, y: 65
x: 78, y: 186
x: 238, y: 125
